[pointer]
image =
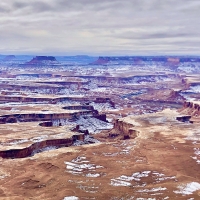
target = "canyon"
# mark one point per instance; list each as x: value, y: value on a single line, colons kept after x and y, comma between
x: 99, y: 128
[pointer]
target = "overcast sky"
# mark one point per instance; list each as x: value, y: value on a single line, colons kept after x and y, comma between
x: 100, y: 27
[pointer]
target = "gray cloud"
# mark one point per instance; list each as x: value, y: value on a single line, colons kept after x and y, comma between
x: 36, y: 6
x: 99, y: 27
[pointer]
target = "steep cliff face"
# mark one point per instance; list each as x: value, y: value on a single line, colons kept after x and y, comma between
x: 126, y: 129
x: 81, y: 107
x: 101, y: 117
x: 184, y: 119
x: 35, y: 148
x: 104, y: 100
x: 41, y: 146
x: 46, y: 124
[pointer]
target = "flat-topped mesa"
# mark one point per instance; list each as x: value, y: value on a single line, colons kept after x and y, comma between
x: 48, y: 58
x: 9, y: 58
x: 42, y: 60
x: 169, y: 60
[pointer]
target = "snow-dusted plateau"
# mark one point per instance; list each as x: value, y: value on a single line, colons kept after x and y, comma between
x: 113, y: 128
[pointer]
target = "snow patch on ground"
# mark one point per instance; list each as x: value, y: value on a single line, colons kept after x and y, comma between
x: 137, y: 179
x: 71, y: 198
x: 194, y: 89
x: 81, y: 166
x: 153, y: 189
x: 100, y: 89
x: 197, y: 155
x: 102, y: 106
x: 124, y: 148
x: 88, y: 189
x: 62, y: 122
x: 146, y: 199
x: 194, y: 137
x: 86, y: 185
x: 2, y: 176
x: 125, y: 180
x: 44, y: 149
x: 92, y: 175
x: 88, y: 140
x: 16, y: 142
x: 39, y: 138
x: 189, y: 68
x: 187, y: 189
x: 93, y: 125
x: 187, y: 97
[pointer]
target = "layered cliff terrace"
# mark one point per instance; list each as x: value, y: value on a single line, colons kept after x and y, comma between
x: 26, y: 113
x: 35, y: 128
x: 169, y: 123
x: 22, y: 135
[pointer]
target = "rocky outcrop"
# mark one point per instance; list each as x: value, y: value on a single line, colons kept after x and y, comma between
x: 46, y: 124
x: 77, y: 129
x: 184, y: 118
x: 126, y: 129
x: 41, y: 146
x: 79, y: 107
x: 191, y: 108
x: 101, y: 117
x: 191, y: 112
x: 194, y: 106
x: 35, y: 148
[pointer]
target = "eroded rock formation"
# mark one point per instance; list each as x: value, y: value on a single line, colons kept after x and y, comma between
x: 191, y: 108
x: 124, y: 128
x: 38, y: 147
